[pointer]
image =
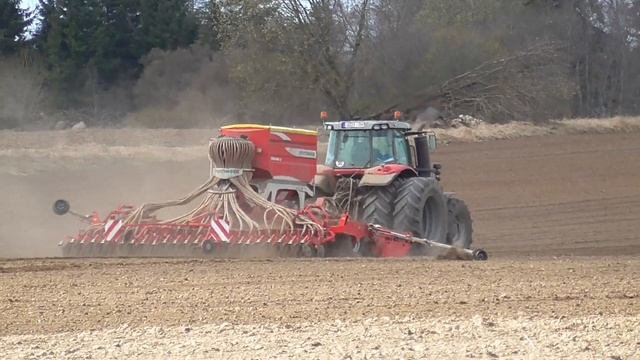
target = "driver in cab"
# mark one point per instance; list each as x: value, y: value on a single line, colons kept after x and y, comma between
x: 382, y: 151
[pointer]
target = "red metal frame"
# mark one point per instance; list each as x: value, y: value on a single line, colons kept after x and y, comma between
x: 196, y: 232
x: 199, y: 231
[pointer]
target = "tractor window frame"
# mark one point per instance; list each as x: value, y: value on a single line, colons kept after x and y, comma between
x: 392, y: 135
x: 399, y: 135
x: 335, y: 139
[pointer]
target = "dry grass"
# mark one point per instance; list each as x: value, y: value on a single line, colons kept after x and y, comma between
x: 171, y: 144
x: 513, y: 130
x: 100, y: 151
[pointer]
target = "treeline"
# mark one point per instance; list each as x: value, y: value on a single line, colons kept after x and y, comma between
x: 182, y: 63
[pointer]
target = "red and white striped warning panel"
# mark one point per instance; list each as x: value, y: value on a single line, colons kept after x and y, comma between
x: 112, y: 229
x: 220, y: 229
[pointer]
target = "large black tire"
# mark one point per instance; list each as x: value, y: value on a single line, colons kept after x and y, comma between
x: 460, y: 228
x: 376, y: 203
x: 421, y: 209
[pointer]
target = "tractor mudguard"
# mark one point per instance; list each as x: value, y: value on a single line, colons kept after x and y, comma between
x: 383, y: 175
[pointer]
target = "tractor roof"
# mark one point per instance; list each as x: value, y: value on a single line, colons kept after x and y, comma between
x: 366, y: 125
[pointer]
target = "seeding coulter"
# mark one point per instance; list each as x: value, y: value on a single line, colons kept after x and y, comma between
x: 263, y: 197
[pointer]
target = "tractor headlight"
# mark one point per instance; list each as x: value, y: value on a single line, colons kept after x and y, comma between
x: 380, y: 126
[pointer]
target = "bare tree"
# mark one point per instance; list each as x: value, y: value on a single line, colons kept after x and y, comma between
x: 332, y: 32
x: 519, y: 86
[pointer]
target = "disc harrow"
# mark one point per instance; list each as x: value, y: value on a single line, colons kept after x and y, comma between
x: 204, y: 235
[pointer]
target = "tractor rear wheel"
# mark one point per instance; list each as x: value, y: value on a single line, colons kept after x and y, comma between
x: 460, y: 227
x: 421, y: 209
x: 376, y: 203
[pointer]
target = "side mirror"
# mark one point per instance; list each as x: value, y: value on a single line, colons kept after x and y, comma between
x: 432, y: 141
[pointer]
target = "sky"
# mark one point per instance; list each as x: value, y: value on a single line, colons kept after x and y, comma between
x: 29, y: 3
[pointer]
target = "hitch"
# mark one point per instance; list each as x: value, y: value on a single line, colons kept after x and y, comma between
x: 62, y: 207
x: 460, y: 253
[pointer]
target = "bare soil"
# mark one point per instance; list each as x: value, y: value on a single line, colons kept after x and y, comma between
x: 409, y: 308
x: 559, y: 216
x: 551, y: 195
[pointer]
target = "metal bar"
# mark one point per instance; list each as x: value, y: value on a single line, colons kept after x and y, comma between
x: 465, y: 254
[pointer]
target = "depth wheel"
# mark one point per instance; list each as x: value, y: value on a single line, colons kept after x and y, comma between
x: 208, y: 247
x: 307, y: 251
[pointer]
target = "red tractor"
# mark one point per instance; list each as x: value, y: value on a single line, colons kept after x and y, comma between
x: 380, y: 172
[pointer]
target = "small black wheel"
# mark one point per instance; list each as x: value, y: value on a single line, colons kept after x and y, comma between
x: 207, y: 246
x: 480, y: 255
x: 61, y: 207
x: 128, y: 237
x: 307, y: 251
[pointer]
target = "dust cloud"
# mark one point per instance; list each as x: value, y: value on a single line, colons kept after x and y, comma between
x: 28, y: 226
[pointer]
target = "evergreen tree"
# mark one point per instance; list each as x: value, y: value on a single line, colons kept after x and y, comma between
x: 66, y: 38
x: 14, y: 22
x: 210, y: 18
x: 167, y: 24
x: 117, y: 49
x: 102, y: 41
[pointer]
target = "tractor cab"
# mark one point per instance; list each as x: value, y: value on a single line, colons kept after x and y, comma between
x: 357, y: 145
x: 374, y: 153
x: 365, y: 144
